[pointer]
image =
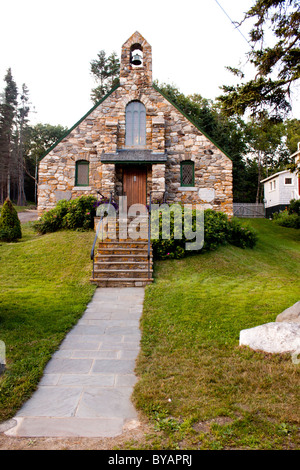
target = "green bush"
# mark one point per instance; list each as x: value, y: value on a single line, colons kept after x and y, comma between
x: 77, y: 214
x: 218, y: 230
x: 294, y: 207
x: 286, y: 219
x: 241, y: 235
x: 10, y: 226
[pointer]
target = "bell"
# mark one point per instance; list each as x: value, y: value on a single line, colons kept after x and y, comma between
x: 136, y: 60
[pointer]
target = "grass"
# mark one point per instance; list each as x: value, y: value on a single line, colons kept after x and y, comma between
x: 28, y: 206
x: 198, y: 388
x: 44, y: 291
x: 196, y: 384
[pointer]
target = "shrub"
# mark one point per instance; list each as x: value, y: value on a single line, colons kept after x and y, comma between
x: 218, y: 230
x: 77, y: 214
x: 10, y: 226
x: 241, y: 236
x: 286, y: 219
x: 294, y: 207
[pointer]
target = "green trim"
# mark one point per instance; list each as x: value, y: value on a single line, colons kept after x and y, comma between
x: 185, y: 163
x: 189, y: 119
x: 135, y: 162
x: 85, y: 162
x: 80, y: 121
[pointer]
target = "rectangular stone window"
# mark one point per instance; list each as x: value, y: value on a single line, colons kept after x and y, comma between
x: 82, y: 173
x: 187, y: 173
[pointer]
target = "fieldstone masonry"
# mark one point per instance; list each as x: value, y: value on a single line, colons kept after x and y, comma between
x: 168, y: 133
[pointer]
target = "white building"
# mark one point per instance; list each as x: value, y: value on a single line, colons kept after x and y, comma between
x: 279, y: 189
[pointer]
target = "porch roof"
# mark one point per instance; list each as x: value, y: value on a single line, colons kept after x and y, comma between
x: 133, y: 156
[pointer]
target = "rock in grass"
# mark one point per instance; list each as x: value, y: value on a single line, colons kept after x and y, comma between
x: 291, y: 314
x: 275, y: 337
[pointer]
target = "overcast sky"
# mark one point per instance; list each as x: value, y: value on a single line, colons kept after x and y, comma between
x: 49, y: 46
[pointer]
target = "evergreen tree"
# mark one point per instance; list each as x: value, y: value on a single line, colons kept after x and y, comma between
x: 10, y: 226
x: 277, y: 66
x: 7, y: 119
x: 105, y: 71
x: 21, y: 134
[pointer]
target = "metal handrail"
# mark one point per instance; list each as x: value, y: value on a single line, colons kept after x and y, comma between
x: 149, y: 224
x: 96, y: 236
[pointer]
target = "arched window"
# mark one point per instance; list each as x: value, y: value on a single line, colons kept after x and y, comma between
x: 82, y: 173
x: 135, y: 124
x: 187, y: 173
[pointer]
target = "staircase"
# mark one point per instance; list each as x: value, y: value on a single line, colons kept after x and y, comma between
x: 122, y: 263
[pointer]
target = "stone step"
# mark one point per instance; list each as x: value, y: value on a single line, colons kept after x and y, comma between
x: 121, y: 282
x: 123, y: 265
x: 123, y: 251
x: 123, y: 244
x: 121, y: 273
x: 122, y: 257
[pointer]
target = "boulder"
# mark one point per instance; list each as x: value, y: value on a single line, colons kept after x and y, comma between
x: 275, y: 337
x: 291, y: 314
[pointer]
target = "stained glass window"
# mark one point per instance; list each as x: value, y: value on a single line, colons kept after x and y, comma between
x: 82, y: 173
x: 187, y: 173
x: 135, y: 124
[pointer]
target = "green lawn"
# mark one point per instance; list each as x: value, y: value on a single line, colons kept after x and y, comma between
x: 198, y: 388
x: 44, y: 290
x: 201, y: 389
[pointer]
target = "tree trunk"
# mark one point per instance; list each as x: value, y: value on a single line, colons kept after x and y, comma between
x: 258, y: 178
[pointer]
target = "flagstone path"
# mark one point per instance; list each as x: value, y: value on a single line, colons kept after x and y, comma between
x: 86, y: 387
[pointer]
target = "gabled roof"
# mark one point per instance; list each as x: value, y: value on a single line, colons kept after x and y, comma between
x: 189, y: 119
x: 80, y: 120
x: 275, y: 175
x: 108, y: 94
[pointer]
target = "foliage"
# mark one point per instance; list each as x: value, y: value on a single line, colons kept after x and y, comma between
x: 44, y: 291
x: 227, y: 132
x: 265, y: 143
x: 106, y: 72
x: 292, y: 134
x: 277, y: 67
x: 191, y: 368
x: 76, y: 214
x: 294, y: 207
x: 290, y: 217
x: 218, y: 230
x: 8, y: 109
x: 10, y: 226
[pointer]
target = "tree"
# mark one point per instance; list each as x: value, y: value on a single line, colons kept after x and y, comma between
x: 292, y: 134
x: 10, y: 227
x: 227, y: 132
x: 39, y: 139
x: 106, y: 72
x: 22, y: 132
x: 7, y: 119
x: 277, y: 66
x: 266, y: 143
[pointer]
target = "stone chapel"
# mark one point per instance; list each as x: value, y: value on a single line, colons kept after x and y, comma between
x: 133, y: 142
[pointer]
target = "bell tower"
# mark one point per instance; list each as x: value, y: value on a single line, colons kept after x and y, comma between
x: 136, y: 61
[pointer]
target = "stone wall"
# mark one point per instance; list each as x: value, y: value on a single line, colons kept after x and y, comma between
x: 167, y: 131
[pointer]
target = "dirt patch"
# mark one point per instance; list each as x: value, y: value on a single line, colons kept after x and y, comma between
x: 130, y: 438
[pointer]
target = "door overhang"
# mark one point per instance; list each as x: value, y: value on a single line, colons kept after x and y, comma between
x: 133, y: 156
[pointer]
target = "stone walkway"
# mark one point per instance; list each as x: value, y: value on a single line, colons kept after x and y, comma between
x: 86, y: 387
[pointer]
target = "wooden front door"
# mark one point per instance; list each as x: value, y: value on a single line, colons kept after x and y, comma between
x: 135, y: 184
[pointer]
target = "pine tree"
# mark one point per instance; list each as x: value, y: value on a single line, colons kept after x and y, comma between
x: 7, y: 118
x: 10, y: 226
x: 277, y: 66
x: 106, y: 72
